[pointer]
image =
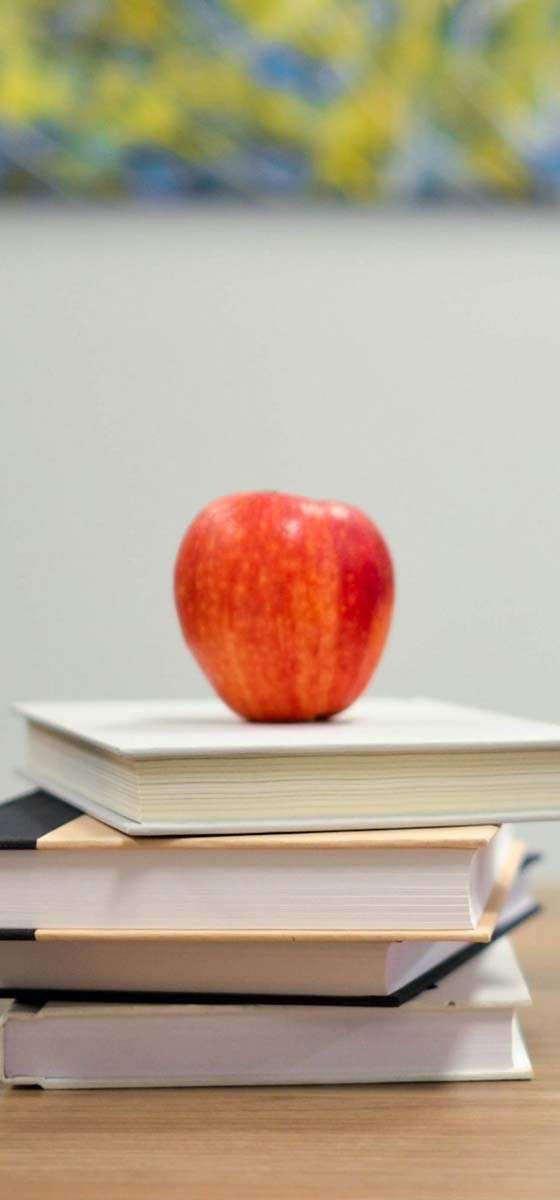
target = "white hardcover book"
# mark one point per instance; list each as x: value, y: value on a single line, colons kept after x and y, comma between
x: 466, y: 1028
x: 194, y: 767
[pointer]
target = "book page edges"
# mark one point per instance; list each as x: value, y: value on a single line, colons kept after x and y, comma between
x: 482, y: 933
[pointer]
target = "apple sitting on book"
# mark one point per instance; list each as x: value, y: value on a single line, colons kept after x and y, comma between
x: 285, y: 603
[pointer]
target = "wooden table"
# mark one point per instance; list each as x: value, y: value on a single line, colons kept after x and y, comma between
x: 411, y: 1142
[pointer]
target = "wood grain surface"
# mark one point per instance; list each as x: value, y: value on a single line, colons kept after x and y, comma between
x: 477, y: 1141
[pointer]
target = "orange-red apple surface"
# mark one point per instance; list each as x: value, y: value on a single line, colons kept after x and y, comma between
x: 285, y: 602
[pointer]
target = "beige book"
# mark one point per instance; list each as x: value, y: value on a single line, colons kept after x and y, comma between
x: 440, y: 884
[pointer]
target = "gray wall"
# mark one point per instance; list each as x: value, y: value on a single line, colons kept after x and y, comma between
x: 152, y: 361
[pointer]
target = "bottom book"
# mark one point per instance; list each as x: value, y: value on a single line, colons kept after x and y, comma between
x: 465, y: 1028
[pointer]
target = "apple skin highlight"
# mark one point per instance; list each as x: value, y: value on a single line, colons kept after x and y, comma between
x: 285, y: 603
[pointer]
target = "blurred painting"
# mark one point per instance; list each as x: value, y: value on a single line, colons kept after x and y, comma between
x: 349, y: 100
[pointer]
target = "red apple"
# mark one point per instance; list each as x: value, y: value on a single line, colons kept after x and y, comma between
x: 285, y: 602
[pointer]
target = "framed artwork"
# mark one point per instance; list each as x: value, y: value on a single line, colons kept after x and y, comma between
x: 362, y: 101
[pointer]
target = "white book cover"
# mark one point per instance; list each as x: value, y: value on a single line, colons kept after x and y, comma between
x: 177, y: 728
x: 165, y: 767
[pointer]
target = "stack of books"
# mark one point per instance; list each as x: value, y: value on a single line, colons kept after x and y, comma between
x: 189, y: 899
